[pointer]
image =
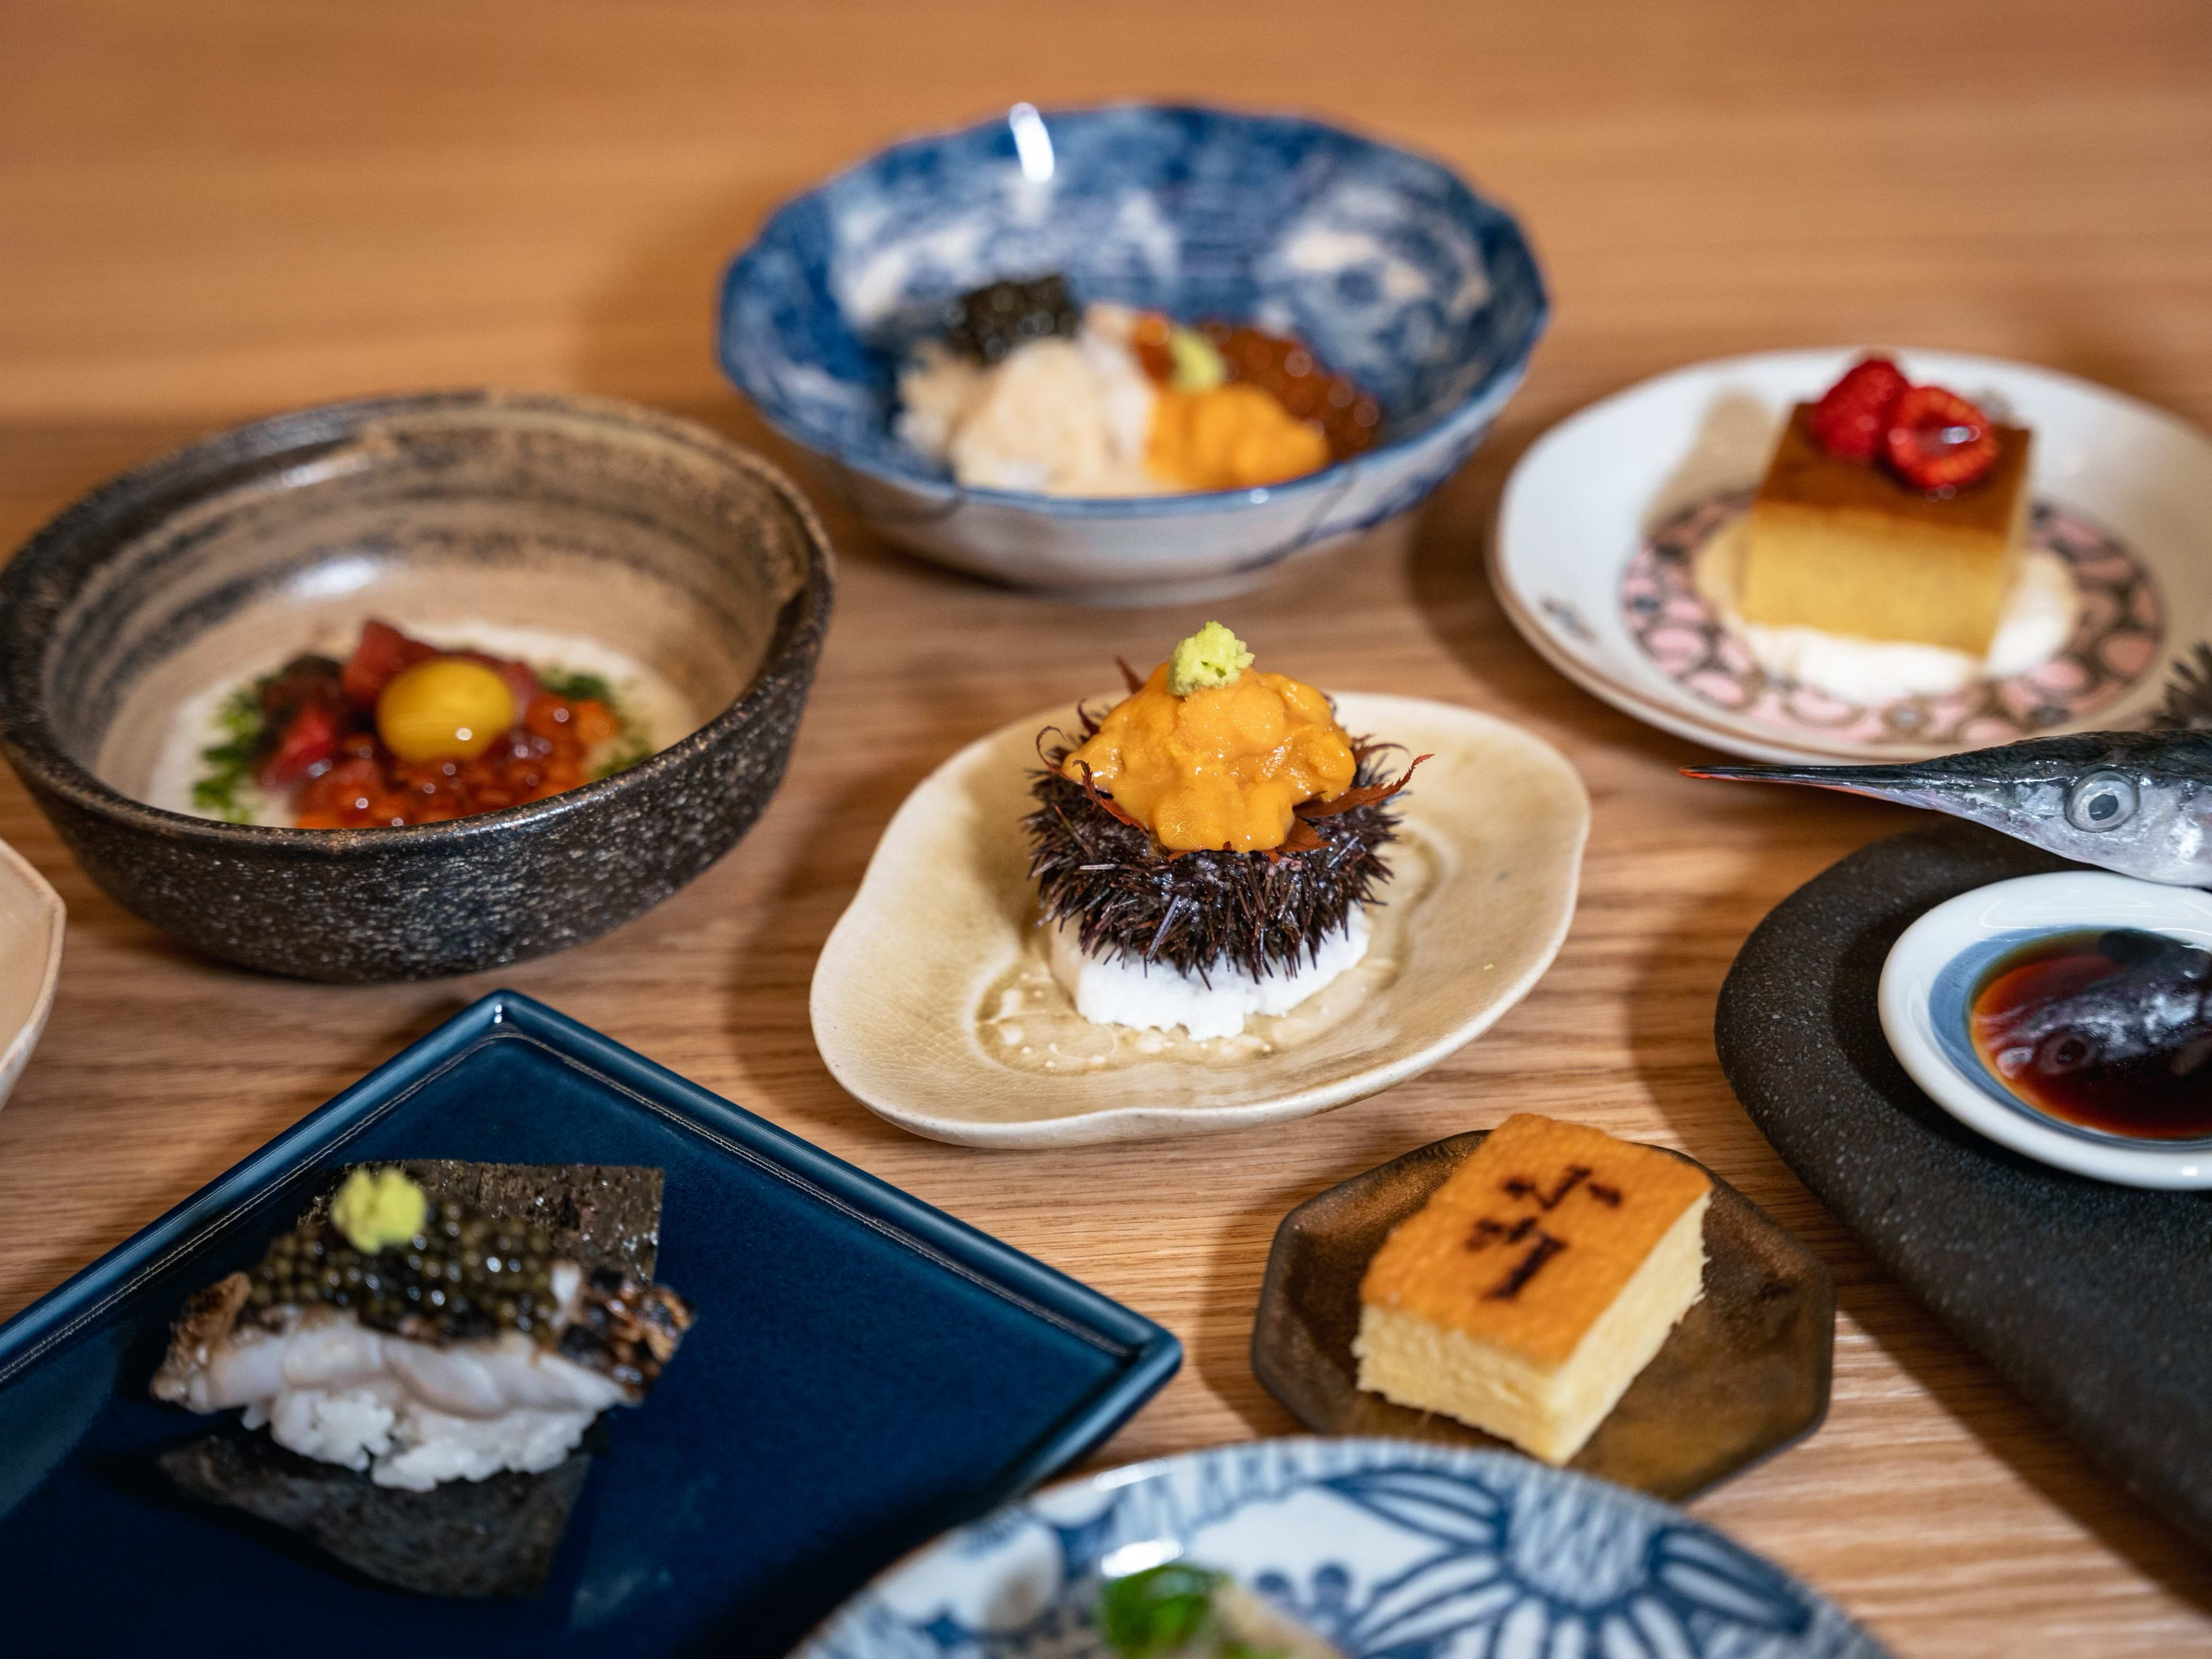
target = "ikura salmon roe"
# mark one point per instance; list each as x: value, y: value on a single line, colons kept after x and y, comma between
x: 1287, y: 371
x: 1279, y: 366
x: 370, y: 786
x: 403, y: 733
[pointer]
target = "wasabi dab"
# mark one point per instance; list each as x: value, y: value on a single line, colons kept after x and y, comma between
x: 1212, y: 656
x: 375, y: 1210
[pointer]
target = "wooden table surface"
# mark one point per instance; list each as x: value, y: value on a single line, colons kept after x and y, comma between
x: 214, y: 211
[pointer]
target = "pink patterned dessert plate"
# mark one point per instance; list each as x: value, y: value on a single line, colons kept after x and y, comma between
x: 1595, y: 559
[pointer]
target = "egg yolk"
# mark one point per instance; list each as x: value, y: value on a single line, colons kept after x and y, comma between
x: 1233, y: 437
x: 446, y: 708
x: 1222, y: 766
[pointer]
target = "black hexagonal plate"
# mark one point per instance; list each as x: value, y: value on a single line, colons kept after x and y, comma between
x: 1744, y: 1375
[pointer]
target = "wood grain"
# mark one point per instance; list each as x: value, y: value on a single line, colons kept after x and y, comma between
x: 216, y: 210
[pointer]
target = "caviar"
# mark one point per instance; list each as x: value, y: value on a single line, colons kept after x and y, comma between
x: 470, y: 1277
x: 986, y: 323
x: 463, y: 1276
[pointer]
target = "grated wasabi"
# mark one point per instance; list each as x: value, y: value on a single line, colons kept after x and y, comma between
x: 375, y: 1212
x: 1212, y: 656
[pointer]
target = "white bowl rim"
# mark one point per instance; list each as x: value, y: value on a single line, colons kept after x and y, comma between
x: 16, y: 1048
x: 2053, y: 902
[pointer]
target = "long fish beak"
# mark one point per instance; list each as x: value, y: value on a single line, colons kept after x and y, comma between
x: 1895, y: 783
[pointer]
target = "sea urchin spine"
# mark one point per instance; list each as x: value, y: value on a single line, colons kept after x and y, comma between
x: 1261, y: 912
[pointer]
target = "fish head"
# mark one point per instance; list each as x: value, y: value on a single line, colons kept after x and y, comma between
x: 2138, y: 803
x: 2152, y: 1006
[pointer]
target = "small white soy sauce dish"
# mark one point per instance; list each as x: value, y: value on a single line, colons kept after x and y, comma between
x: 1940, y: 963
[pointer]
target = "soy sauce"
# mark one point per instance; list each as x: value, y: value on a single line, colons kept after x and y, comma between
x: 2109, y: 1030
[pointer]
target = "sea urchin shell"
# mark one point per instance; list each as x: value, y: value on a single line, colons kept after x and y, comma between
x: 1261, y: 912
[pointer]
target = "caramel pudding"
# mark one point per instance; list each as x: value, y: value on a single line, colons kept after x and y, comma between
x: 1851, y: 548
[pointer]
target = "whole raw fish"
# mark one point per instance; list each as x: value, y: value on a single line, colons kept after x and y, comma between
x: 2136, y: 802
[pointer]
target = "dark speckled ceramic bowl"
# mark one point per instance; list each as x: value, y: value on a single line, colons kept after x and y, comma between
x: 588, y: 518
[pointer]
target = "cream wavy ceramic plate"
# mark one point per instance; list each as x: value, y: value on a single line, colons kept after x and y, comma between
x: 1586, y: 557
x: 32, y: 922
x: 911, y: 993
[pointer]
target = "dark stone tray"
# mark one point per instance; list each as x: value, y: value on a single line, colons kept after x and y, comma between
x: 2095, y: 1301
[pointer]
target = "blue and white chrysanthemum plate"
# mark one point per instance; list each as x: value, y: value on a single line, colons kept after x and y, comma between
x: 1384, y: 262
x: 1379, y: 1547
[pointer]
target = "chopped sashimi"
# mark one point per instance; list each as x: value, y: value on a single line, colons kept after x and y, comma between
x: 382, y: 653
x: 310, y: 740
x: 406, y: 732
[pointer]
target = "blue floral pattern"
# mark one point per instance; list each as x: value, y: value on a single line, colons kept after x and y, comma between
x: 1388, y: 1550
x: 1384, y: 261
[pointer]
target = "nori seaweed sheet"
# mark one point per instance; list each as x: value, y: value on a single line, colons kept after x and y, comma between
x: 496, y: 1537
x: 606, y: 1215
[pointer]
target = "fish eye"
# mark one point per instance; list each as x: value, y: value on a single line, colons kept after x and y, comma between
x: 2103, y: 800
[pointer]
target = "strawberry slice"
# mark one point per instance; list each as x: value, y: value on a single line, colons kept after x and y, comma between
x: 310, y: 740
x: 1938, y: 441
x: 382, y: 653
x: 1853, y: 416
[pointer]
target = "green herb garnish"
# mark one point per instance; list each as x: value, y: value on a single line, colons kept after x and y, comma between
x: 234, y: 759
x: 629, y: 750
x: 577, y: 688
x: 630, y: 745
x: 1164, y: 1609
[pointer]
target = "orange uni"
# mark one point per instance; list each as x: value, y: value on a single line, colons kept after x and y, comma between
x: 1221, y: 768
x: 1234, y: 437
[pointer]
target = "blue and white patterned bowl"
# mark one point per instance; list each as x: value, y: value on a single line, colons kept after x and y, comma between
x: 1386, y: 262
x: 1380, y: 1546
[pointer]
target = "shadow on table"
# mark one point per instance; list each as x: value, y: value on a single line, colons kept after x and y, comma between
x: 769, y: 1003
x: 346, y: 1047
x: 1219, y: 1345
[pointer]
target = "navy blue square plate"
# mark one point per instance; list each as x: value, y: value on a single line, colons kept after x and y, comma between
x: 865, y: 1372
